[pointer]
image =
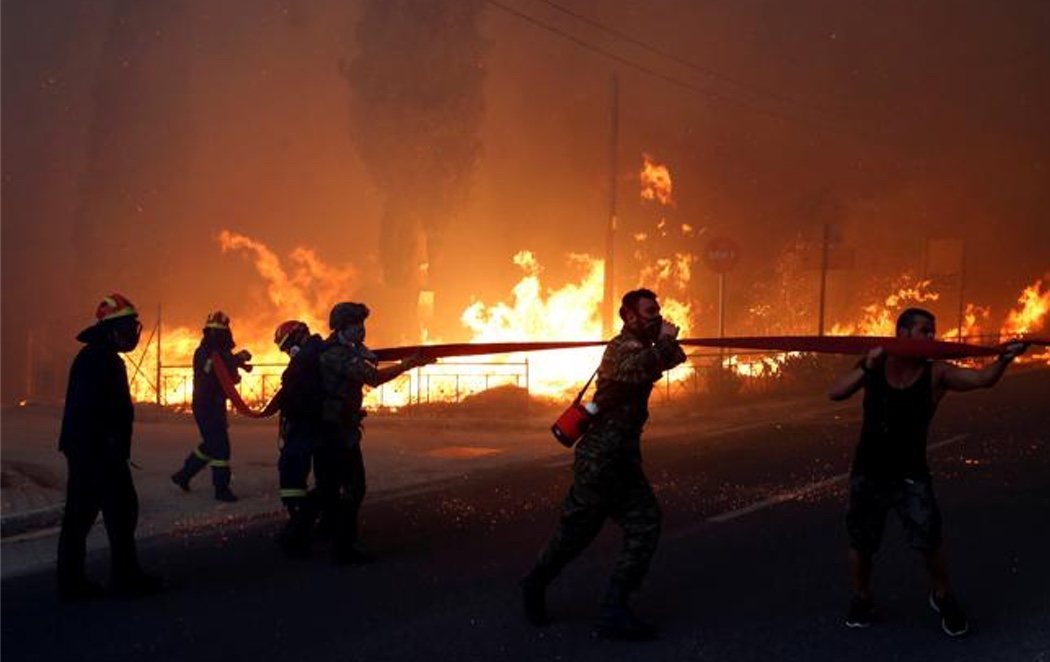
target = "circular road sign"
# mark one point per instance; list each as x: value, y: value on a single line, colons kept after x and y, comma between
x: 721, y: 254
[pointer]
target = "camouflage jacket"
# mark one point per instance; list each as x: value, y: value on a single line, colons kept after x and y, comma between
x: 345, y: 371
x: 629, y: 368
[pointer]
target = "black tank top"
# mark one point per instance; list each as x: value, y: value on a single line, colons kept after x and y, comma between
x: 896, y: 423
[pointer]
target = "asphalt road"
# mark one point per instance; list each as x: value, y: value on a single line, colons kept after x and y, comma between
x: 751, y: 565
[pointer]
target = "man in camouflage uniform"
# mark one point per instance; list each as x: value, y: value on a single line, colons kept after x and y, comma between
x: 608, y: 479
x: 347, y: 366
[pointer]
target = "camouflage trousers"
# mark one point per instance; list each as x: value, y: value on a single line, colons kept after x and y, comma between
x: 606, y: 488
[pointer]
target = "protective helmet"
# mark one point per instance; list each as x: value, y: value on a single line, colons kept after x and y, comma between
x: 217, y: 320
x: 113, y: 307
x: 287, y: 330
x: 346, y: 313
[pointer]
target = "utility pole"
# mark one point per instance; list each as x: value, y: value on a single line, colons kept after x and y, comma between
x: 823, y: 276
x: 609, y: 300
x: 160, y: 390
x: 721, y: 305
x: 962, y: 286
x: 30, y: 368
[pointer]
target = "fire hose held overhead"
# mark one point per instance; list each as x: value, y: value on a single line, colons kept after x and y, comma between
x: 904, y: 347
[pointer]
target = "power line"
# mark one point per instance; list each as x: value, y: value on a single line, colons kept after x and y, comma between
x: 714, y: 96
x: 750, y: 87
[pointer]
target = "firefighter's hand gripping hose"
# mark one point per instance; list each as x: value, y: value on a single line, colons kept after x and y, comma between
x: 903, y: 347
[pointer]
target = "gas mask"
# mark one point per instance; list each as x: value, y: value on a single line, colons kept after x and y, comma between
x: 353, y: 334
x: 126, y: 333
x: 651, y: 328
x: 647, y: 329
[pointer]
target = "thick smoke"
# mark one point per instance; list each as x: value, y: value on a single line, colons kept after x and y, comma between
x: 415, y: 108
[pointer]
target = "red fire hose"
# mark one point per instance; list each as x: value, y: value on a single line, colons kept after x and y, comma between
x: 904, y: 347
x: 228, y: 387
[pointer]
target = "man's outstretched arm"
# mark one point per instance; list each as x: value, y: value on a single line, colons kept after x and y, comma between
x: 385, y: 374
x: 954, y: 378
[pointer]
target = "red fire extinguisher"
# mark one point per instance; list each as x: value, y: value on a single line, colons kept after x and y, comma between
x: 575, y: 420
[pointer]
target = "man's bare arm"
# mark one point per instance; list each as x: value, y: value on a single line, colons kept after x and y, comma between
x: 955, y: 378
x: 851, y: 382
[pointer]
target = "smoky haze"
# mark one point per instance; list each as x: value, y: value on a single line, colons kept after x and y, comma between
x: 416, y: 102
x: 134, y: 133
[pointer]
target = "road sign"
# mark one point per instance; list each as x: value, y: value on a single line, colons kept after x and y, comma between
x: 721, y: 254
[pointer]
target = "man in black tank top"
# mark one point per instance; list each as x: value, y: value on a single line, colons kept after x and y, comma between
x: 889, y: 468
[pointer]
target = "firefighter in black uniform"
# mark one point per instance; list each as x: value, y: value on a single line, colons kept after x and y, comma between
x: 347, y: 366
x: 209, y: 407
x: 301, y: 399
x: 96, y: 440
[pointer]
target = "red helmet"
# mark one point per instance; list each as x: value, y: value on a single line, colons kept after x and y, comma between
x: 217, y: 320
x: 114, y: 306
x: 288, y: 330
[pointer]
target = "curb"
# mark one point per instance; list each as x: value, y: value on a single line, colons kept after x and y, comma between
x: 41, y: 518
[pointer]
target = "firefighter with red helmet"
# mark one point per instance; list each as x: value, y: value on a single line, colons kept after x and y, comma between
x: 301, y: 399
x: 96, y: 440
x: 209, y: 406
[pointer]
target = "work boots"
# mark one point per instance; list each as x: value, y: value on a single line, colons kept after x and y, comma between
x: 225, y: 494
x: 534, y: 598
x: 618, y: 621
x: 296, y: 536
x: 181, y: 480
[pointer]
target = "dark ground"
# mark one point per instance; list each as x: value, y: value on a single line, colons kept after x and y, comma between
x: 770, y: 584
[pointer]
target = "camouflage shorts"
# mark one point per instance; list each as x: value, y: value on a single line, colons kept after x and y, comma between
x: 870, y: 500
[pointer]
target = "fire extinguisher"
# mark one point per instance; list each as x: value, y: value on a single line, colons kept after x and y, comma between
x: 575, y: 420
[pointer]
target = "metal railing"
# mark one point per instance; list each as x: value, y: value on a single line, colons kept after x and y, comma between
x: 442, y: 382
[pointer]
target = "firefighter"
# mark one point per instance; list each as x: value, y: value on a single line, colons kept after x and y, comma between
x: 96, y: 440
x: 209, y: 406
x: 347, y: 366
x: 301, y: 398
x: 608, y: 481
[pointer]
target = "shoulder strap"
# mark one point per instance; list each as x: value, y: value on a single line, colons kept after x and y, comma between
x: 579, y: 396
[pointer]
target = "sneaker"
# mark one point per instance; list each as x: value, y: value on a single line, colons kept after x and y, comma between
x: 860, y: 612
x: 534, y: 601
x: 181, y: 481
x: 953, y: 619
x: 225, y: 495
x: 617, y: 621
x: 138, y: 585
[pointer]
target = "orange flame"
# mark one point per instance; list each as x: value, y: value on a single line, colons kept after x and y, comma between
x: 571, y: 312
x: 1030, y: 314
x: 879, y: 319
x: 656, y: 181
